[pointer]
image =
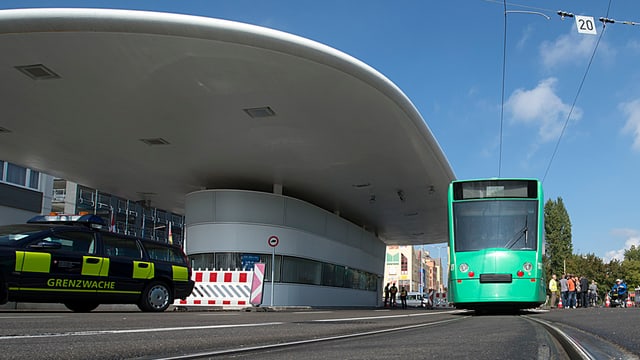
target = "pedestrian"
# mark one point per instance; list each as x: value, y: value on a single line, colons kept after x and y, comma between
x: 584, y: 290
x: 553, y: 289
x: 571, y: 284
x: 386, y: 295
x: 619, y: 290
x: 593, y: 293
x: 393, y: 290
x: 403, y: 297
x: 576, y: 280
x: 564, y: 291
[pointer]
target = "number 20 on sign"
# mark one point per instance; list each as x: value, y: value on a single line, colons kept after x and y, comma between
x: 586, y: 25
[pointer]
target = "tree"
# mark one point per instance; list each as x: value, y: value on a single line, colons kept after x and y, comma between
x: 589, y: 266
x: 557, y: 228
x: 632, y: 254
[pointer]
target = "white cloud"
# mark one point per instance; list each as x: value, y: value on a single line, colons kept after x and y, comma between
x: 632, y: 237
x: 632, y: 111
x: 526, y: 35
x: 541, y: 107
x: 567, y: 48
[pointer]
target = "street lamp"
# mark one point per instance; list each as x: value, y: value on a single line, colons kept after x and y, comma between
x: 422, y: 277
x: 441, y: 265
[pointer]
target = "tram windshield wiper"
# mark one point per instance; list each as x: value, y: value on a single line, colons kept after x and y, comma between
x: 524, y: 231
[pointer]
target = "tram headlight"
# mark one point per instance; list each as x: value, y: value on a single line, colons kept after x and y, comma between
x: 527, y: 266
x: 464, y: 267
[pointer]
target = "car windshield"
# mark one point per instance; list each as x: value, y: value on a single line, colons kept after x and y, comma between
x: 11, y: 234
x: 508, y: 224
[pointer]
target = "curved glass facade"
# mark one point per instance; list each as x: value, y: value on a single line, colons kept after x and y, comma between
x: 290, y: 269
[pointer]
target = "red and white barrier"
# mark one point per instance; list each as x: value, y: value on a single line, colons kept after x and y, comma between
x: 429, y: 299
x: 440, y: 301
x: 231, y: 289
x: 257, y: 284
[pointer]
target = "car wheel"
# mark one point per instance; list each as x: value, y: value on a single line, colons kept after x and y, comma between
x: 81, y: 306
x: 156, y: 297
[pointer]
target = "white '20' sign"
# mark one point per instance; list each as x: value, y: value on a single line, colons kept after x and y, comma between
x: 586, y: 25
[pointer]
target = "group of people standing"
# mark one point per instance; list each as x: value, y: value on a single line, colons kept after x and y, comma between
x: 390, y: 293
x: 574, y: 291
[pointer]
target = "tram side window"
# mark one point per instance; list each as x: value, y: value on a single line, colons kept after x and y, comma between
x: 121, y: 247
x: 73, y: 241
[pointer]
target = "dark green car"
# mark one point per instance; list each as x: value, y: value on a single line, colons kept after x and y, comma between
x: 71, y: 260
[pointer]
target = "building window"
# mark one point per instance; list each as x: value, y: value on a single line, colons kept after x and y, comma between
x: 228, y: 260
x: 34, y: 179
x: 203, y: 261
x: 393, y: 259
x: 333, y: 275
x: 301, y: 271
x: 290, y: 269
x: 404, y: 264
x: 16, y: 174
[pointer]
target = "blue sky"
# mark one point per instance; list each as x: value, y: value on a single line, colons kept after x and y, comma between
x: 447, y: 57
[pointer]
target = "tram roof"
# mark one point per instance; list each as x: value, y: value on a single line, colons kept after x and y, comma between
x: 148, y: 105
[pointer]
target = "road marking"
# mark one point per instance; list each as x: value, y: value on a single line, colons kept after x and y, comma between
x: 392, y: 316
x: 130, y: 331
x: 312, y: 312
x: 30, y: 317
x: 300, y: 342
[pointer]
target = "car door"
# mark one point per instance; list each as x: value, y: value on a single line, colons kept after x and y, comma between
x: 51, y: 267
x: 127, y: 269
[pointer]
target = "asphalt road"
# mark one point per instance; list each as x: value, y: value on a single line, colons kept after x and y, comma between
x: 388, y: 334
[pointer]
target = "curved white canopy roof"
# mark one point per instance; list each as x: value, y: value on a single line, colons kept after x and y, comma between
x: 144, y: 104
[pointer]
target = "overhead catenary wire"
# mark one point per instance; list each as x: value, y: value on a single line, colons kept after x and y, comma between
x: 504, y: 72
x: 575, y: 99
x: 539, y: 11
x: 551, y: 11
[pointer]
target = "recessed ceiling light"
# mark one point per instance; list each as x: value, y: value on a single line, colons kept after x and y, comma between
x: 4, y: 130
x: 362, y: 185
x: 38, y: 72
x: 155, y: 141
x: 260, y: 112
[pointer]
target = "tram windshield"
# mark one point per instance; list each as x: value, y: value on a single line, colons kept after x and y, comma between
x: 508, y: 224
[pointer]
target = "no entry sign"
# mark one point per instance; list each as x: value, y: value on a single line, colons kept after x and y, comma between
x: 273, y: 241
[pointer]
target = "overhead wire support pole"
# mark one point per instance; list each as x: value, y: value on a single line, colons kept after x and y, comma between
x: 529, y: 12
x: 504, y: 67
x: 504, y: 70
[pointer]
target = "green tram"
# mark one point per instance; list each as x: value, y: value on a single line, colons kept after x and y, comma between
x: 496, y: 244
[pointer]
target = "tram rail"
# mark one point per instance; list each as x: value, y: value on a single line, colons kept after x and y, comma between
x: 316, y: 335
x: 562, y: 345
